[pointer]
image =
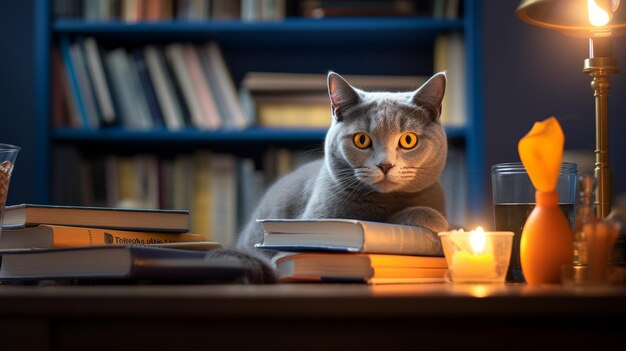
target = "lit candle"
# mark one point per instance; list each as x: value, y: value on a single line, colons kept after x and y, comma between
x: 478, y: 262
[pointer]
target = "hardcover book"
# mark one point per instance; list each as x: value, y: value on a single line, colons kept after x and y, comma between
x: 348, y: 235
x: 369, y: 268
x: 120, y: 263
x: 55, y: 236
x: 24, y: 215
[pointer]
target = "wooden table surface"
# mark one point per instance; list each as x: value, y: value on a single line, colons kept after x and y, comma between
x: 310, y: 316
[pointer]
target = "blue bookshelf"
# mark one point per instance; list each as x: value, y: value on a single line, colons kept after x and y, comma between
x: 407, y: 42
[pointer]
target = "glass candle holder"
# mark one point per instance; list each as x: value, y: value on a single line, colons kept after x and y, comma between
x: 477, y: 256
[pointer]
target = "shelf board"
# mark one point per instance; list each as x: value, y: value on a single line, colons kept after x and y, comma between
x: 292, y: 30
x: 250, y: 135
x: 190, y: 136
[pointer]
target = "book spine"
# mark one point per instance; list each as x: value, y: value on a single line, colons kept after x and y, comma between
x: 76, y: 236
x: 201, y: 196
x: 174, y: 54
x: 73, y: 81
x: 58, y: 103
x: 218, y: 73
x: 224, y: 186
x: 166, y: 96
x: 206, y: 97
x: 294, y: 115
x: 148, y: 88
x: 100, y: 84
x: 85, y: 86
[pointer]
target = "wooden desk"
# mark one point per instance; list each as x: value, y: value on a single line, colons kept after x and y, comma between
x: 310, y: 316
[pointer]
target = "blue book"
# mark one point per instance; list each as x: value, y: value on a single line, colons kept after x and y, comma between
x: 116, y: 262
x: 148, y: 88
x: 73, y: 80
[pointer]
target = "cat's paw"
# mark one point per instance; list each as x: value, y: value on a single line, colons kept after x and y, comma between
x: 420, y: 216
x: 258, y: 270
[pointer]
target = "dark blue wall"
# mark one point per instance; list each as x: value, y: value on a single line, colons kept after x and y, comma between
x: 17, y: 95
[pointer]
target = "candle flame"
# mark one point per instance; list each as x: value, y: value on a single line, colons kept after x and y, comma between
x: 478, y: 239
x: 597, y: 15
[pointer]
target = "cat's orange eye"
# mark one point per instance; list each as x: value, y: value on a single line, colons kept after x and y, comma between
x: 408, y: 140
x: 362, y: 140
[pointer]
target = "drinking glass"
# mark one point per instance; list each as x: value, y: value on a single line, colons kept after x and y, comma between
x: 8, y: 155
x: 514, y: 199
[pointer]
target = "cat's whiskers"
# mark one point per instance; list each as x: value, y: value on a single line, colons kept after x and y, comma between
x: 355, y: 191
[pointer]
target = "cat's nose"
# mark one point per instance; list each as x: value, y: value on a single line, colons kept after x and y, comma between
x: 385, y: 167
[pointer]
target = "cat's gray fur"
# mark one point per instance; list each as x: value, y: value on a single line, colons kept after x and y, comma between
x: 351, y: 183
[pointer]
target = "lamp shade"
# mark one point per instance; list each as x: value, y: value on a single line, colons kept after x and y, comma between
x: 572, y: 17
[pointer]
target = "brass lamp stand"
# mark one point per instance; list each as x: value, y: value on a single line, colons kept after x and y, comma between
x: 598, y: 20
x: 600, y: 65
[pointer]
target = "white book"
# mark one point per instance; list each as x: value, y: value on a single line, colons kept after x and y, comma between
x: 348, y: 235
x: 224, y: 192
x: 98, y: 78
x: 174, y: 54
x: 164, y: 89
x: 222, y: 82
x: 204, y: 93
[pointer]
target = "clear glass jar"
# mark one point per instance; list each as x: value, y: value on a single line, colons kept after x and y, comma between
x: 514, y: 199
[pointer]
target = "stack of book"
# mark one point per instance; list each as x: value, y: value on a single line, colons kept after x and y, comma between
x: 353, y: 251
x: 290, y: 100
x: 62, y: 242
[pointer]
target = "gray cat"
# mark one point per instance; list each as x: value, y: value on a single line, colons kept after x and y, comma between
x: 384, y: 153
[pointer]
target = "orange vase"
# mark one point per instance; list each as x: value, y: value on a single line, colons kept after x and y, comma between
x: 546, y: 243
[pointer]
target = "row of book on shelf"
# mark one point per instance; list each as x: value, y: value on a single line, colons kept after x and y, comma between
x: 248, y: 10
x: 184, y: 85
x: 221, y: 190
x: 98, y: 244
x: 175, y: 86
x: 167, y: 10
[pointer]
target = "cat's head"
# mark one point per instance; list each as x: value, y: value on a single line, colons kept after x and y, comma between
x: 388, y: 141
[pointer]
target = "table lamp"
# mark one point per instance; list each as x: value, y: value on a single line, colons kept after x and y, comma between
x: 598, y: 20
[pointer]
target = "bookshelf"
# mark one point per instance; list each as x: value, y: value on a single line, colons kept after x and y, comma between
x: 372, y: 45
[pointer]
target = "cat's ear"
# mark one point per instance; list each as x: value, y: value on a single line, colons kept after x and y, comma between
x: 342, y: 95
x: 430, y: 94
